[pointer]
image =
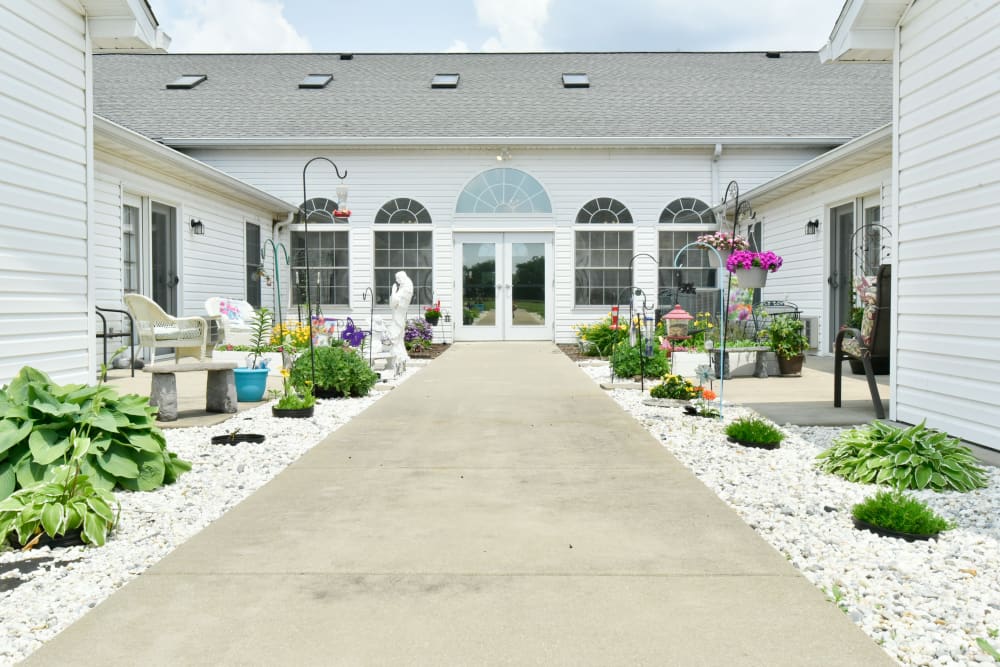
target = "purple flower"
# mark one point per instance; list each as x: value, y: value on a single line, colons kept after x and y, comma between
x: 352, y: 334
x: 745, y: 259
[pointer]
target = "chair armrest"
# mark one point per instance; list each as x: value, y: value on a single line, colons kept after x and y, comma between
x: 855, y: 333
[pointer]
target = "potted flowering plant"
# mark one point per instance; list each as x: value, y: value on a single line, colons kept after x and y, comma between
x: 751, y: 268
x: 725, y: 243
x: 293, y: 400
x: 251, y: 381
x: 432, y: 314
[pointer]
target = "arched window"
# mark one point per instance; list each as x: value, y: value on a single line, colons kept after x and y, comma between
x: 604, y: 210
x: 688, y: 211
x: 696, y: 273
x: 402, y: 210
x: 602, y: 258
x: 319, y: 209
x: 503, y: 190
x: 407, y: 250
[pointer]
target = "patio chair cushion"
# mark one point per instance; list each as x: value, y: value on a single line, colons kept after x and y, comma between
x: 174, y: 332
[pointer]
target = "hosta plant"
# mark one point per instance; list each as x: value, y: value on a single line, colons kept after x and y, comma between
x: 894, y: 510
x: 68, y: 502
x: 905, y: 458
x: 124, y: 446
x: 754, y: 430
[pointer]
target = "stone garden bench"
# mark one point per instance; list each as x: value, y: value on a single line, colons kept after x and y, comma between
x: 220, y: 388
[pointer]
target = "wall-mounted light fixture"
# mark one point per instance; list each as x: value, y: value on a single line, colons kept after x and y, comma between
x: 812, y: 227
x: 503, y: 154
x: 197, y: 227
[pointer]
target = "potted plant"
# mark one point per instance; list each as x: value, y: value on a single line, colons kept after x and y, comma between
x: 418, y: 336
x: 754, y: 432
x: 895, y: 514
x: 788, y: 341
x: 725, y: 244
x: 251, y: 380
x: 293, y: 401
x: 433, y: 314
x: 751, y: 268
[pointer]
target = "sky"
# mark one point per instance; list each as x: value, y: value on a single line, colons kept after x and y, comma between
x: 400, y: 26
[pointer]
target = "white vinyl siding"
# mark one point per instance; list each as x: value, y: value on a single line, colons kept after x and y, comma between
x: 948, y: 277
x: 644, y: 180
x: 802, y: 278
x: 44, y: 304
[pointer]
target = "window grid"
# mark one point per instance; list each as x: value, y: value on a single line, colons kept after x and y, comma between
x: 503, y: 190
x: 687, y: 211
x: 604, y: 210
x: 602, y: 267
x: 408, y: 251
x: 130, y: 249
x: 402, y: 210
x: 328, y: 267
x: 696, y: 271
x: 319, y: 210
x: 253, y: 264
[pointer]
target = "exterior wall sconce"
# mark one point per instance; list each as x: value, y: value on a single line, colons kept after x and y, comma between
x: 503, y: 155
x: 197, y: 227
x: 812, y: 227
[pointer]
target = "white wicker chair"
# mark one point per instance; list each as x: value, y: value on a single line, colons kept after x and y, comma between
x: 235, y: 318
x: 188, y: 336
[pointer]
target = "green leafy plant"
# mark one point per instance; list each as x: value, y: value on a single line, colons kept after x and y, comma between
x: 340, y: 371
x: 627, y: 362
x: 905, y: 458
x: 894, y: 510
x: 68, y: 502
x: 754, y: 430
x: 124, y: 446
x: 786, y: 338
x: 988, y: 649
x: 676, y: 387
x: 292, y: 396
x: 260, y: 333
x: 598, y: 338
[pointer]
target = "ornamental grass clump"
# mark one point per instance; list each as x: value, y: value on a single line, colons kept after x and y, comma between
x: 905, y: 458
x: 754, y: 430
x: 895, y: 511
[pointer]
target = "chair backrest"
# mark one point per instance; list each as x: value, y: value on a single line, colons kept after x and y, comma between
x: 233, y: 311
x: 146, y: 315
x: 879, y: 343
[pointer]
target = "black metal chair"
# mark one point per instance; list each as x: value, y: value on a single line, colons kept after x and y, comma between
x: 104, y: 335
x: 868, y: 344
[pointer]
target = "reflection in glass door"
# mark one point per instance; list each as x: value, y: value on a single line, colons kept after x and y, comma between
x: 504, y: 283
x: 163, y: 248
x: 839, y: 280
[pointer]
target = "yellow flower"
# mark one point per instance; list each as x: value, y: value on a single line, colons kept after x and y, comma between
x: 285, y: 373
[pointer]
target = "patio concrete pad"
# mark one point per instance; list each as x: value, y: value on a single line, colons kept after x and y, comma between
x: 496, y: 508
x: 457, y: 619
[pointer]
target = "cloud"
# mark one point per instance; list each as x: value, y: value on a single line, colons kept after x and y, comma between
x: 519, y: 24
x: 458, y: 46
x: 221, y: 26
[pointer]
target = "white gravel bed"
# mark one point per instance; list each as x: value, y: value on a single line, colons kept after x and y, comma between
x: 67, y: 582
x: 925, y: 603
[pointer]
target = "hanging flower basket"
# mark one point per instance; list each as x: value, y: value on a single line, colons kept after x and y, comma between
x: 752, y: 277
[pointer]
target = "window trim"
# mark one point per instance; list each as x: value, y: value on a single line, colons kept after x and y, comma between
x: 600, y: 227
x: 405, y: 228
x: 689, y: 225
x: 300, y: 228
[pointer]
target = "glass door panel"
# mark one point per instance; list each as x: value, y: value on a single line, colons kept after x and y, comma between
x: 481, y: 294
x: 839, y: 280
x: 163, y: 246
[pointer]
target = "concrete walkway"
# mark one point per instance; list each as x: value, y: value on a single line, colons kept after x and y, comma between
x: 497, y: 508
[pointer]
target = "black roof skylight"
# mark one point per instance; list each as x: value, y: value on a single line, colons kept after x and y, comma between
x: 187, y: 81
x: 575, y: 80
x: 316, y: 81
x: 445, y: 81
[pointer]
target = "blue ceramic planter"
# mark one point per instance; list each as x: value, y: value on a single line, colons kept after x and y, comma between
x: 250, y: 384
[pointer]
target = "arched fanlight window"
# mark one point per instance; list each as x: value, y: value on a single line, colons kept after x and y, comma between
x: 604, y: 210
x: 688, y: 211
x: 503, y: 190
x: 319, y: 209
x: 402, y: 210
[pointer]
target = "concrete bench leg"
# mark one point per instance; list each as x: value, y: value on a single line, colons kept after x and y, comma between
x: 220, y: 391
x: 163, y: 395
x: 760, y: 365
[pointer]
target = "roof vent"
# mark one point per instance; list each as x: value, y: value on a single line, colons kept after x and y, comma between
x: 575, y: 80
x: 316, y: 81
x: 445, y: 81
x: 773, y: 54
x: 347, y: 56
x: 187, y: 81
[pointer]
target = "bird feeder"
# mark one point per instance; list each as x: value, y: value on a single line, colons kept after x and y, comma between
x: 677, y: 321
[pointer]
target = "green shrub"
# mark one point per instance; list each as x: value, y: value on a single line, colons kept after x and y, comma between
x: 125, y: 448
x: 754, y: 430
x: 675, y: 386
x: 905, y: 458
x: 600, y: 336
x: 894, y: 510
x: 786, y: 336
x: 340, y: 371
x: 627, y: 362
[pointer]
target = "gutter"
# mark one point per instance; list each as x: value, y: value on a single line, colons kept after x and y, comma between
x: 433, y: 142
x: 195, y: 168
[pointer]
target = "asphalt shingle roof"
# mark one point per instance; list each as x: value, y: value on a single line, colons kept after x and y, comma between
x: 631, y: 95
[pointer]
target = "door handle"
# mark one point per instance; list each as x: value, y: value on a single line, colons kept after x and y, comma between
x: 176, y: 280
x: 832, y: 280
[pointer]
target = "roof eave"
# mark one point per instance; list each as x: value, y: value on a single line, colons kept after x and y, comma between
x: 424, y: 141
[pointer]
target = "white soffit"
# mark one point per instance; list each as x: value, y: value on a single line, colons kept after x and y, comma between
x: 865, y: 31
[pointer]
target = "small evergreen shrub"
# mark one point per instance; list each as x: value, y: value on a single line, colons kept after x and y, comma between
x: 340, y: 372
x: 894, y: 510
x: 676, y: 387
x: 754, y: 430
x: 905, y: 458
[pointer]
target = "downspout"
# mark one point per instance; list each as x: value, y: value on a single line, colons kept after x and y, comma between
x: 716, y: 154
x: 88, y: 105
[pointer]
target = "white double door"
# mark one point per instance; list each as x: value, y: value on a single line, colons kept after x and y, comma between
x: 504, y: 286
